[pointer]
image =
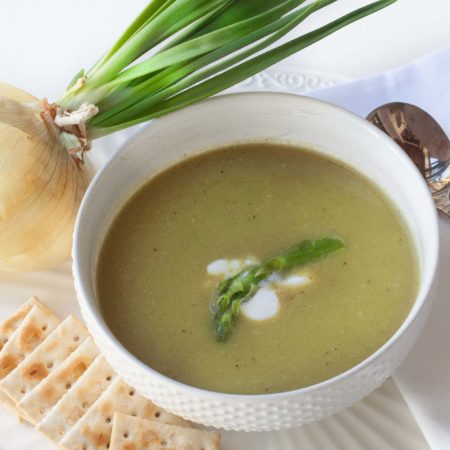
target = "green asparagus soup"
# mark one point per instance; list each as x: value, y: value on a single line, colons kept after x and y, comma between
x: 212, y: 215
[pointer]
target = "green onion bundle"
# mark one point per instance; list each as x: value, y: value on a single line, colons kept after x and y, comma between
x: 195, y: 48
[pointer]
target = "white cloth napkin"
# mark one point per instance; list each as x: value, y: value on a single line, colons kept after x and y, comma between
x: 424, y: 378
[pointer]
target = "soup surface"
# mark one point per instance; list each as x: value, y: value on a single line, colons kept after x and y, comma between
x: 255, y: 200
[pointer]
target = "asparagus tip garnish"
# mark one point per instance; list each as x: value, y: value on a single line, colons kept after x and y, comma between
x: 239, y: 289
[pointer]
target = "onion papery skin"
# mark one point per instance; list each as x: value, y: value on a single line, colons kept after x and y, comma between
x: 41, y: 187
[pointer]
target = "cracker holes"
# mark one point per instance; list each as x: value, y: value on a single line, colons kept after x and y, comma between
x: 108, y: 444
x: 44, y: 327
x: 108, y: 420
x: 157, y: 414
x: 49, y: 365
x: 163, y: 443
x: 85, y: 405
x: 76, y: 338
x: 23, y: 390
x: 68, y: 386
x: 5, y: 340
x: 109, y: 378
x: 131, y: 393
x: 125, y: 435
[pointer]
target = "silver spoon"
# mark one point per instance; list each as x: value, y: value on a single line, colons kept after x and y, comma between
x: 424, y: 141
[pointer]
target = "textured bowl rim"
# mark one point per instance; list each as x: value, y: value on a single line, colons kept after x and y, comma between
x: 425, y: 287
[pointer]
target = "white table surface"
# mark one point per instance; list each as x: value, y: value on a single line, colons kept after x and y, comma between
x: 43, y: 43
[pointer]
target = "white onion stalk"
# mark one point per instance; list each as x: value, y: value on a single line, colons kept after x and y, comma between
x: 208, y: 46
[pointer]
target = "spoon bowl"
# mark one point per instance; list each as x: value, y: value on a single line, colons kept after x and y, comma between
x: 423, y: 140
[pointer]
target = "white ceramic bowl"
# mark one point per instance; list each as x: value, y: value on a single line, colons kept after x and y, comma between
x: 256, y: 117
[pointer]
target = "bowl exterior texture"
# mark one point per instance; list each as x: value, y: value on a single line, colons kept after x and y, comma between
x: 256, y: 117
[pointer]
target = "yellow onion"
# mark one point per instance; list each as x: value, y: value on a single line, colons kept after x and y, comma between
x: 41, y: 186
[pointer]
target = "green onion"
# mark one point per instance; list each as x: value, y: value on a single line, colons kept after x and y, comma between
x: 189, y: 50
